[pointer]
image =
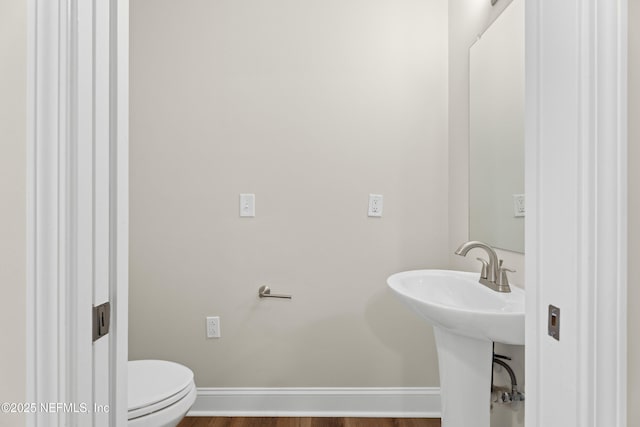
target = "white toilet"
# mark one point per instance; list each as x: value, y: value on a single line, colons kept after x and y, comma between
x: 160, y: 393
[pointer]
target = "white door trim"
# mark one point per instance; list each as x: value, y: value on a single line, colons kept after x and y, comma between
x: 39, y: 384
x: 60, y: 208
x: 50, y: 339
x: 576, y: 186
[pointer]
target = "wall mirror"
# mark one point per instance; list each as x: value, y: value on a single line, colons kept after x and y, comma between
x: 496, y: 132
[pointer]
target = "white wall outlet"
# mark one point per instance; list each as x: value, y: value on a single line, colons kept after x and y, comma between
x: 518, y: 205
x: 375, y: 204
x: 213, y: 327
x: 247, y: 205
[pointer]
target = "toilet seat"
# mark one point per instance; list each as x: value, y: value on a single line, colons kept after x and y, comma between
x: 146, y: 410
x: 157, y: 385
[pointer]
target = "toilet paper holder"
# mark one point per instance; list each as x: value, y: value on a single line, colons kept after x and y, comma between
x: 265, y: 292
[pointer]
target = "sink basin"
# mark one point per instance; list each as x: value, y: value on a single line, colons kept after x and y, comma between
x: 467, y: 318
x: 455, y: 301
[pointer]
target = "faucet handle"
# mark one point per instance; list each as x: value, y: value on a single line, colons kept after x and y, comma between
x: 503, y: 279
x: 485, y: 268
x: 501, y: 268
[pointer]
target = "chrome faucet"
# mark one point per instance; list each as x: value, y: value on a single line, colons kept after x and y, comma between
x: 493, y: 274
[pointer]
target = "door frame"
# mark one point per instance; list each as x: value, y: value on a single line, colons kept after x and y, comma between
x: 576, y: 225
x: 61, y: 48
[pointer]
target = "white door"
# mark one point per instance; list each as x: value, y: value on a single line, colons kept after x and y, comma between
x: 77, y: 213
x: 576, y: 207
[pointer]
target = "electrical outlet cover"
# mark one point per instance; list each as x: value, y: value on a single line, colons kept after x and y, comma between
x: 375, y: 205
x: 518, y: 205
x: 213, y: 327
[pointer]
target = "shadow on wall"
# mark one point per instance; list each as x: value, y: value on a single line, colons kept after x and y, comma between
x: 332, y: 337
x: 378, y: 310
x: 329, y: 335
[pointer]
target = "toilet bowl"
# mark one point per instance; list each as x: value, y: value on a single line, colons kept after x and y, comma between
x: 160, y: 393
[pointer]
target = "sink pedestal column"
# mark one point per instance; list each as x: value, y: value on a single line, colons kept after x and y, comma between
x: 465, y: 379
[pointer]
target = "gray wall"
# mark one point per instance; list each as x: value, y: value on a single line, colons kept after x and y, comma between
x: 634, y: 215
x: 13, y: 45
x: 311, y: 106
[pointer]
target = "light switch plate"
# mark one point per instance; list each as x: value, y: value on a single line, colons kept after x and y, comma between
x: 247, y: 205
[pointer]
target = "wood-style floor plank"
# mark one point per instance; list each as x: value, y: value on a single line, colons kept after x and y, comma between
x: 307, y: 422
x: 417, y: 422
x: 328, y: 422
x: 255, y: 422
x: 369, y: 422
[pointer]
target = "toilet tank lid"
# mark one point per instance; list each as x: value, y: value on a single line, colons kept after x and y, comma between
x: 152, y: 381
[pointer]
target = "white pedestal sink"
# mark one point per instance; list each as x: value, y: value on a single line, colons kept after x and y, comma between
x: 467, y: 318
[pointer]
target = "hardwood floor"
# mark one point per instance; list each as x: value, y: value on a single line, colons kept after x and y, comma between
x: 307, y: 422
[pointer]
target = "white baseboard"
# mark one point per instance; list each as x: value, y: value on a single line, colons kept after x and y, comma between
x: 419, y: 402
